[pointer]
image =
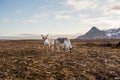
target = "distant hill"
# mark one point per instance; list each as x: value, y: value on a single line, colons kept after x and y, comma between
x: 95, y: 33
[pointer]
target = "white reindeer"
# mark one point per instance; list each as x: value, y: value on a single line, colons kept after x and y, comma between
x: 50, y: 43
x: 64, y: 43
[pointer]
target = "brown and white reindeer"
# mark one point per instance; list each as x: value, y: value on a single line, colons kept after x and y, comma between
x: 65, y: 43
x: 49, y: 43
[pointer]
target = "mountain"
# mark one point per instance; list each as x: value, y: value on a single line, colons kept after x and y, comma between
x: 113, y: 33
x: 94, y: 33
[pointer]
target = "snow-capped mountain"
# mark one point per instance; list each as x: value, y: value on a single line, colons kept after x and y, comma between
x: 113, y: 33
x: 95, y: 33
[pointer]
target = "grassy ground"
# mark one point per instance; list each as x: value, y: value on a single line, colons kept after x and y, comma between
x: 89, y: 60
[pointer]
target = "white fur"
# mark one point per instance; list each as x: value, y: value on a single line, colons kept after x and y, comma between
x: 48, y: 42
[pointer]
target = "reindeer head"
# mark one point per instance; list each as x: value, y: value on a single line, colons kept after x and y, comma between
x: 70, y: 48
x: 44, y: 37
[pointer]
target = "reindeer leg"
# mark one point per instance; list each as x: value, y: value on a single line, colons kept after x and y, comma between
x: 52, y: 48
x: 48, y: 49
x: 64, y: 48
x: 58, y: 49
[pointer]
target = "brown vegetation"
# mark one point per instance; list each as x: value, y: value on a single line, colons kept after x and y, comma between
x: 90, y: 60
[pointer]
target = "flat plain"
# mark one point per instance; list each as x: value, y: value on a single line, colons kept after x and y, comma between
x: 89, y: 60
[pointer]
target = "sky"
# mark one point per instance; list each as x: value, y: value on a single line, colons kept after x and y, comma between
x: 24, y: 17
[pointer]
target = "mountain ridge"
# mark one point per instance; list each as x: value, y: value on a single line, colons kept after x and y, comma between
x: 95, y: 33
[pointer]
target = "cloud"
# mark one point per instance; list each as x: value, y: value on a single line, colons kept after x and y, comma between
x: 113, y: 1
x: 18, y: 11
x: 38, y: 36
x: 84, y: 16
x: 84, y: 12
x: 63, y: 14
x: 95, y: 12
x: 31, y: 21
x: 38, y: 16
x: 58, y: 16
x: 35, y: 18
x: 91, y: 7
x: 82, y: 4
x: 116, y: 7
x: 104, y: 22
x: 117, y: 12
x: 29, y: 35
x: 114, y: 10
x: 111, y: 7
x: 5, y: 20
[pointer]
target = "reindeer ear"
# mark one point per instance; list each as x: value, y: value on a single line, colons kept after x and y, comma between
x: 42, y: 35
x: 47, y: 35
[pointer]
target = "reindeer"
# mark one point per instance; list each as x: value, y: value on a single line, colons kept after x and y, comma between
x: 50, y: 43
x: 64, y: 43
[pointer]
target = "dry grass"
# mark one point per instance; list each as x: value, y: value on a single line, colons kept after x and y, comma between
x: 90, y: 60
